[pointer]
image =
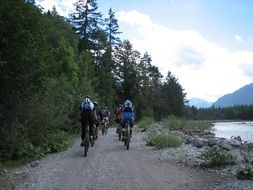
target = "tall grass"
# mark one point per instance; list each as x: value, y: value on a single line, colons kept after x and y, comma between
x: 175, y: 123
x: 146, y: 122
x: 163, y: 141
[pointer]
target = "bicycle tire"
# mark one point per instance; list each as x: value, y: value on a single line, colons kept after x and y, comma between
x: 106, y: 128
x: 119, y: 133
x: 86, y: 145
x: 127, y: 139
x: 103, y: 130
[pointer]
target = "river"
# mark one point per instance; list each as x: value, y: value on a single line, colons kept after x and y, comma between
x: 227, y: 129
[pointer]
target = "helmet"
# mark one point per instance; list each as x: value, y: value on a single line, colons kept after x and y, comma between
x: 95, y: 102
x: 105, y: 107
x: 87, y: 96
x: 128, y: 103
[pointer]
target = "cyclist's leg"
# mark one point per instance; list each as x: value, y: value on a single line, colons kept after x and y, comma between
x: 84, y: 129
x: 96, y: 130
x: 131, y: 128
x: 123, y: 124
x: 91, y: 124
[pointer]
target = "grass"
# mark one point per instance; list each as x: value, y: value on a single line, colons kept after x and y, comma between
x: 146, y: 122
x: 163, y: 141
x: 175, y: 123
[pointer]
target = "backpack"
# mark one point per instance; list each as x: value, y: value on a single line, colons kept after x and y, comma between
x: 105, y: 112
x: 118, y: 111
x: 128, y: 106
x: 87, y: 105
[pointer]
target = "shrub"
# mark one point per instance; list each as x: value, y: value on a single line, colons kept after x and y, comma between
x: 146, y: 122
x: 217, y: 156
x: 55, y: 142
x: 163, y: 141
x: 245, y: 172
x: 173, y: 123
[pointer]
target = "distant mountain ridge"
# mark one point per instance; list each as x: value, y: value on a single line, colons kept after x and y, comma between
x: 199, y: 103
x: 242, y: 96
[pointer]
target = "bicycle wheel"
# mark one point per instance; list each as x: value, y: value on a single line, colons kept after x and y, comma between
x: 119, y: 133
x: 86, y: 145
x: 106, y: 128
x: 103, y: 129
x: 127, y: 138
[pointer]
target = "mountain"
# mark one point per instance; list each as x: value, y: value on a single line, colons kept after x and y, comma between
x: 199, y: 103
x: 242, y: 96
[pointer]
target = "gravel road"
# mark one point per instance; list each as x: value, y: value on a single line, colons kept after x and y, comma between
x: 110, y: 166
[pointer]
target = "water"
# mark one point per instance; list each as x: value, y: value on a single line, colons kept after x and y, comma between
x: 228, y: 129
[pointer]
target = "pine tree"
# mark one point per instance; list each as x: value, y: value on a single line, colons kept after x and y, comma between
x: 112, y: 28
x: 126, y: 70
x: 86, y: 21
x: 173, y: 94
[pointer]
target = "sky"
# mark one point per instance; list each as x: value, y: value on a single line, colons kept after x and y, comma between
x: 206, y: 44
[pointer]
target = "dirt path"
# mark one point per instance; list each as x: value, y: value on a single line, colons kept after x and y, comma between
x: 110, y: 166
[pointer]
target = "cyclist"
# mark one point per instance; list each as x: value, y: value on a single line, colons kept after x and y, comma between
x: 97, y: 118
x: 127, y: 111
x: 87, y: 117
x: 105, y: 114
x: 117, y: 112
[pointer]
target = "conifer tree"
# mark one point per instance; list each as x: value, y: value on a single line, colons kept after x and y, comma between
x: 86, y: 21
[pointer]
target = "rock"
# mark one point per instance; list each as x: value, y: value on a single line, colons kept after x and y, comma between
x: 19, y: 172
x: 212, y: 142
x: 35, y: 164
x: 143, y: 130
x: 247, y: 146
x: 225, y: 144
x: 198, y: 143
x: 5, y: 171
x: 235, y: 142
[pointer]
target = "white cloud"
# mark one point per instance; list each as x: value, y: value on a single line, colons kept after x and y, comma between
x: 63, y: 7
x: 238, y: 38
x: 204, y: 69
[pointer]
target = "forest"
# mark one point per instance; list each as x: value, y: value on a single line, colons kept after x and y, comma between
x: 48, y: 63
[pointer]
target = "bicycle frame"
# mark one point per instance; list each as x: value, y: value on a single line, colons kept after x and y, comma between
x: 126, y: 134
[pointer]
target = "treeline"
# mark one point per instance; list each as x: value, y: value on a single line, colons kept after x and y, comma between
x: 240, y: 112
x: 48, y: 63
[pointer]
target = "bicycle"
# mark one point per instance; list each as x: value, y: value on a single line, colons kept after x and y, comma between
x: 105, y: 125
x: 86, y: 140
x: 126, y: 135
x: 119, y: 130
x: 89, y: 139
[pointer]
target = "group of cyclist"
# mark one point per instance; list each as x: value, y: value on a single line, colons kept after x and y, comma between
x: 92, y: 116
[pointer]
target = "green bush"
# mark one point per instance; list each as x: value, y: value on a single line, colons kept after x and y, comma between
x: 55, y: 142
x: 217, y: 156
x: 173, y: 123
x: 146, y: 122
x: 245, y: 172
x: 163, y: 141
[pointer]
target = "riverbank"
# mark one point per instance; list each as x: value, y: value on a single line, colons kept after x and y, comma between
x: 197, y: 142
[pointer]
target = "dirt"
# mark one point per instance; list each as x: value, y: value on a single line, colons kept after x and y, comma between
x: 110, y: 166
